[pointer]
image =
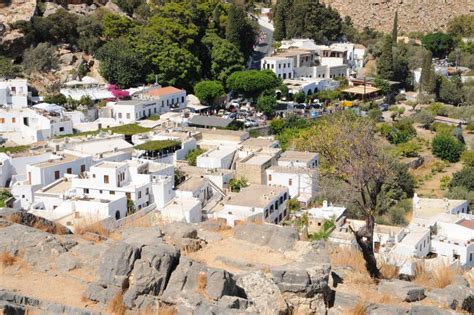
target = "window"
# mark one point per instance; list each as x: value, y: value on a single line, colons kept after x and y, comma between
x: 154, y: 110
x: 61, y: 129
x: 271, y: 209
x: 470, y: 257
x: 266, y: 215
x: 56, y: 175
x: 139, y: 194
x: 279, y: 66
x: 93, y: 175
x: 86, y: 190
x: 281, y: 199
x: 120, y: 115
x: 269, y: 177
x: 106, y: 179
x: 69, y: 170
x: 162, y: 103
x: 147, y: 191
x: 83, y: 168
x: 13, y: 120
x: 286, y: 196
x: 290, y: 182
x: 182, y: 99
x: 112, y: 192
x: 129, y: 196
x: 2, y: 120
x: 100, y: 191
x: 128, y: 115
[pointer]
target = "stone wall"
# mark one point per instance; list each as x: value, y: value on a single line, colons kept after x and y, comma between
x: 413, y: 15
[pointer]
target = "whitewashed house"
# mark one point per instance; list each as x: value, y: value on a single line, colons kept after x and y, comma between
x: 281, y: 66
x: 182, y: 209
x: 14, y: 93
x: 219, y: 157
x: 255, y: 203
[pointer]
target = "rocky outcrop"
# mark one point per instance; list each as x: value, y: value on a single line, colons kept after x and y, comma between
x: 13, y: 303
x: 421, y: 16
x: 26, y: 218
x: 405, y: 291
x: 275, y: 237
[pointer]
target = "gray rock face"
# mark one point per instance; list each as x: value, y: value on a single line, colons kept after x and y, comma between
x: 67, y: 262
x: 116, y: 264
x: 452, y: 296
x: 468, y: 304
x: 273, y: 236
x: 263, y: 292
x: 291, y: 280
x: 423, y: 310
x: 404, y: 290
x: 13, y: 303
x: 38, y: 249
x: 139, y: 236
x: 151, y: 272
x: 179, y: 230
x: 379, y: 309
x: 98, y: 293
x: 28, y: 219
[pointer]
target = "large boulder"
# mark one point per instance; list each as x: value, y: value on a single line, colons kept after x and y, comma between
x: 142, y: 236
x: 116, y: 264
x: 37, y: 249
x: 382, y: 309
x: 453, y: 296
x: 151, y: 272
x: 31, y: 220
x: 423, y: 310
x: 274, y: 236
x: 263, y: 292
x: 404, y: 290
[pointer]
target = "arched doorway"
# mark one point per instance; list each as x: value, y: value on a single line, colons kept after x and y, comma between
x: 117, y: 215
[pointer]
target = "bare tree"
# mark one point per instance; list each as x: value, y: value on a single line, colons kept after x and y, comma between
x: 350, y: 152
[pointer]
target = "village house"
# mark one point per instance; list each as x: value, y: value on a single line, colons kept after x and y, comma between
x: 218, y: 157
x: 167, y: 97
x: 182, y: 209
x: 14, y: 93
x: 317, y: 216
x: 281, y: 66
x: 26, y: 126
x: 255, y: 203
x: 254, y: 166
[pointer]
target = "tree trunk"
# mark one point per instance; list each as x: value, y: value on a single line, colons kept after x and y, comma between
x: 365, y: 240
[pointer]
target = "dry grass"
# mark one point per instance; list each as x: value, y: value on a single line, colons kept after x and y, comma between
x: 116, y: 305
x: 359, y: 309
x: 7, y: 259
x: 54, y: 229
x: 388, y: 270
x: 85, y: 229
x: 202, y: 284
x: 470, y: 277
x: 347, y: 257
x: 162, y: 309
x: 14, y: 218
x: 438, y: 276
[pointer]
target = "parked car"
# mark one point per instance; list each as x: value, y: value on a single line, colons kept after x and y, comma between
x: 250, y: 123
x: 383, y: 107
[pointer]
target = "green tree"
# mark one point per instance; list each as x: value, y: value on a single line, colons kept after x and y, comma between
x: 428, y: 76
x: 208, y: 91
x: 450, y: 92
x: 385, y: 61
x: 58, y: 99
x: 239, y: 30
x: 425, y: 118
x: 447, y: 148
x: 401, y: 69
x: 90, y: 30
x: 128, y: 6
x: 8, y: 69
x: 440, y: 44
x: 236, y: 184
x: 383, y: 85
x: 120, y: 64
x: 267, y: 105
x: 115, y: 26
x: 299, y: 97
x: 395, y: 29
x: 41, y: 58
x: 252, y: 83
x: 192, y: 155
x: 463, y: 178
x: 462, y: 25
x: 468, y: 158
x: 280, y: 18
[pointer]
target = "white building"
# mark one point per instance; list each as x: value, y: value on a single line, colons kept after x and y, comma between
x: 14, y: 93
x: 167, y: 97
x: 195, y: 187
x: 255, y: 203
x: 299, y: 159
x: 426, y: 210
x: 317, y: 216
x: 182, y: 209
x: 115, y: 178
x: 281, y: 66
x: 25, y: 126
x: 310, y: 86
x: 302, y: 183
x: 127, y: 112
x: 219, y: 157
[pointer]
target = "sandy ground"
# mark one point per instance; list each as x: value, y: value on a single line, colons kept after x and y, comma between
x: 45, y: 286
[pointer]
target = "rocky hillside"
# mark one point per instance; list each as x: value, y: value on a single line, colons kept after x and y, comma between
x: 413, y: 15
x: 191, y: 269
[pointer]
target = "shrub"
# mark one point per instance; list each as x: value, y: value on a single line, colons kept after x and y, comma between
x: 192, y: 156
x: 425, y: 118
x: 400, y: 132
x: 375, y: 114
x: 41, y: 58
x: 437, y: 277
x: 470, y: 127
x: 438, y: 109
x: 397, y: 216
x: 463, y: 178
x: 447, y: 148
x: 294, y: 205
x: 437, y: 167
x: 408, y: 149
x: 237, y: 184
x: 468, y: 158
x: 444, y: 181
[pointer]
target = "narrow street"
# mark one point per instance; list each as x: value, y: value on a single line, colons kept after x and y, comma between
x: 264, y: 47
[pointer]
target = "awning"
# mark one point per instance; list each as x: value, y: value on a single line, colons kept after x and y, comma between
x: 196, y: 107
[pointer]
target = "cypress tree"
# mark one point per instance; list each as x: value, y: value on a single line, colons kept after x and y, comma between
x: 239, y: 30
x: 428, y: 77
x: 385, y: 61
x: 395, y: 29
x: 280, y: 18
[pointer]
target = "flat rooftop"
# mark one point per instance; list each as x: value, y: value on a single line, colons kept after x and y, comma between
x: 260, y: 143
x: 360, y: 90
x: 292, y: 52
x: 180, y: 204
x: 427, y: 208
x: 297, y: 156
x: 67, y: 158
x: 259, y: 159
x: 191, y: 184
x: 200, y: 171
x: 58, y: 187
x: 96, y: 146
x: 414, y: 236
x: 255, y: 196
x: 218, y: 152
x: 108, y: 164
